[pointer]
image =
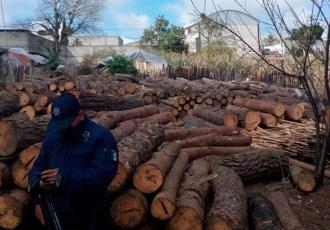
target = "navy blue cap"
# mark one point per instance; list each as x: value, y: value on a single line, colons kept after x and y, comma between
x: 65, y: 109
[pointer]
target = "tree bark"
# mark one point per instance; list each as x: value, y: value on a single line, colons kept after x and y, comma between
x: 184, y: 133
x: 19, y: 132
x: 256, y: 165
x: 109, y: 119
x: 9, y: 103
x: 229, y: 208
x: 262, y: 213
x: 264, y: 106
x: 288, y: 217
x: 129, y: 210
x: 192, y: 197
x: 103, y: 103
x: 11, y: 207
x: 211, y: 114
x: 135, y: 150
x: 150, y: 176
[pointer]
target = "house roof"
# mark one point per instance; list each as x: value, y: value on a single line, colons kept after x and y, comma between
x: 34, y: 57
x: 143, y: 56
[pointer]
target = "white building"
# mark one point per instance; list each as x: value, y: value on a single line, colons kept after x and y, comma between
x: 201, y: 33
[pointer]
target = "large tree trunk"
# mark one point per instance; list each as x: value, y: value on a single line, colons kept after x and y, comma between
x: 192, y: 198
x: 11, y: 207
x: 150, y: 176
x: 211, y: 114
x: 109, y: 119
x: 229, y: 208
x: 257, y: 165
x: 94, y: 102
x: 9, y: 103
x: 183, y: 133
x: 123, y: 130
x: 288, y: 217
x: 19, y: 132
x: 262, y: 213
x: 264, y: 106
x: 129, y: 210
x: 135, y: 150
x: 23, y: 165
x: 246, y: 118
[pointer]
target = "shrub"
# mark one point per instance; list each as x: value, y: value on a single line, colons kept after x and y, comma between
x: 121, y: 64
x: 52, y: 61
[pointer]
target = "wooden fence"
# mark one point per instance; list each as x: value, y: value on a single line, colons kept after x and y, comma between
x: 195, y: 73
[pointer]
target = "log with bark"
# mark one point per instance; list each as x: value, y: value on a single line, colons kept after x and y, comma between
x: 245, y: 117
x: 4, y: 175
x: 9, y: 103
x: 11, y: 208
x: 229, y: 207
x: 268, y: 120
x: 208, y: 113
x: 150, y: 176
x: 264, y: 106
x: 287, y: 216
x: 23, y: 165
x: 135, y: 150
x: 19, y: 132
x: 262, y: 214
x: 95, y: 102
x: 305, y: 181
x: 192, y: 198
x: 128, y: 211
x: 109, y: 119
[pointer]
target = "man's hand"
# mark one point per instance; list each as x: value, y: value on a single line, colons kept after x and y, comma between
x: 48, y: 179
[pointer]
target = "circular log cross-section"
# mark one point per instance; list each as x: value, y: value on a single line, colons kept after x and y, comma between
x: 129, y: 210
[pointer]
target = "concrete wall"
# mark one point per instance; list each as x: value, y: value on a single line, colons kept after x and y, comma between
x: 95, y: 41
x: 26, y: 40
x: 250, y: 33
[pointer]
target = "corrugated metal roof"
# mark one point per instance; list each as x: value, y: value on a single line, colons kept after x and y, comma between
x: 35, y: 57
x: 147, y: 57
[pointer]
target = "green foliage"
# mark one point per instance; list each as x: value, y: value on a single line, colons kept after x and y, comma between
x: 307, y: 33
x: 121, y: 64
x: 270, y: 40
x: 52, y: 61
x: 165, y: 37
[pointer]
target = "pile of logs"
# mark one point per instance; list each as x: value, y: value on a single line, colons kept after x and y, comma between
x: 184, y: 157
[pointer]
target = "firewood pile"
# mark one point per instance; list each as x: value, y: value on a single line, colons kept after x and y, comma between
x: 186, y: 149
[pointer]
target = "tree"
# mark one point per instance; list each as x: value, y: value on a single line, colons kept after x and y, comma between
x: 166, y: 37
x: 270, y: 40
x: 305, y: 67
x: 121, y: 64
x: 307, y: 33
x: 64, y: 18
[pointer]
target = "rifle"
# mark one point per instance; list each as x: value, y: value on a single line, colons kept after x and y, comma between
x: 49, y: 214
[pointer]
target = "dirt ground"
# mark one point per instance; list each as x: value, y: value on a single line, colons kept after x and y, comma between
x: 313, y: 209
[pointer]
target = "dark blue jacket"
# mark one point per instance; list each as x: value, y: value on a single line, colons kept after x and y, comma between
x: 87, y: 159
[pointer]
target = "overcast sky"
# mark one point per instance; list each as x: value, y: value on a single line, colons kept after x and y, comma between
x: 128, y: 18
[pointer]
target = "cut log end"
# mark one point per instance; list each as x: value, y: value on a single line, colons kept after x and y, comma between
x: 186, y: 218
x: 162, y: 208
x: 148, y: 178
x: 215, y: 223
x: 129, y: 210
x: 231, y: 121
x: 306, y: 182
x: 252, y: 120
x: 29, y: 111
x: 119, y: 180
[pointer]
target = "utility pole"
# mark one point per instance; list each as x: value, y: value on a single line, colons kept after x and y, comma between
x: 4, y: 22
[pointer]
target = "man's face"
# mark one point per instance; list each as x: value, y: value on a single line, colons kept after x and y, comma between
x: 80, y: 117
